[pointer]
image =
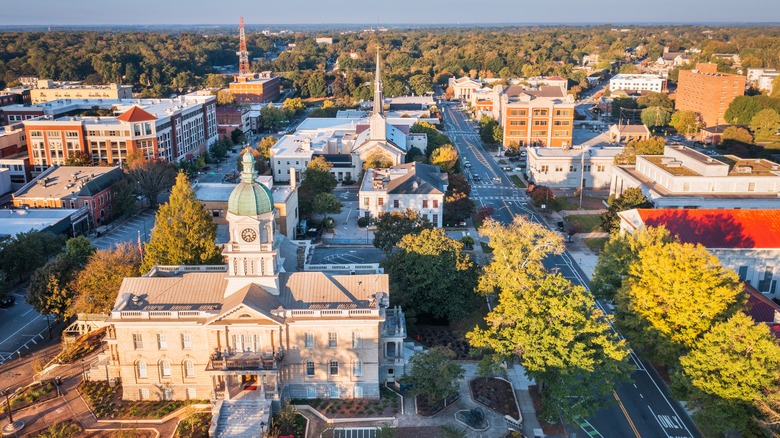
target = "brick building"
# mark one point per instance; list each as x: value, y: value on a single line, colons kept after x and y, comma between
x: 543, y: 117
x: 707, y: 92
x: 256, y: 88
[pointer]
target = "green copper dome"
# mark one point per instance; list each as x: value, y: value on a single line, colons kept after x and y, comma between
x: 250, y: 198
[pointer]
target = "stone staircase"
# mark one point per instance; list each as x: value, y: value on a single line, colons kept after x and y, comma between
x: 243, y: 418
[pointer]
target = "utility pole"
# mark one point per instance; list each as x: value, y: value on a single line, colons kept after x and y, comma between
x: 582, y: 176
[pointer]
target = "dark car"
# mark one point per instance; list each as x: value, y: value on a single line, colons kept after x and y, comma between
x: 8, y: 301
x: 475, y: 177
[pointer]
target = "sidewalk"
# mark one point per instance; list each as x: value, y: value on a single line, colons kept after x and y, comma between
x: 521, y: 382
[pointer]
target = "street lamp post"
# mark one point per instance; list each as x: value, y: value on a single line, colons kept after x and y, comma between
x: 13, y: 426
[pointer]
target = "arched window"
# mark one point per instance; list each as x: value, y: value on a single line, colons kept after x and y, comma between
x: 309, y: 368
x: 140, y: 369
x: 165, y: 368
x: 189, y: 368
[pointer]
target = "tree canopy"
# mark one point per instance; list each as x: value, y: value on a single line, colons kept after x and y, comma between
x: 316, y: 180
x: 686, y: 122
x: 435, y: 374
x: 629, y: 199
x: 151, y: 176
x: 650, y: 146
x: 392, y: 227
x: 183, y: 232
x: 430, y: 274
x: 98, y: 283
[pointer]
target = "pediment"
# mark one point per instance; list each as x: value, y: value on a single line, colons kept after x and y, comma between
x: 243, y: 314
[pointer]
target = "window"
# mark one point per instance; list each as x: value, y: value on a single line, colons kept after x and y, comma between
x: 540, y: 122
x: 599, y: 168
x: 168, y: 394
x: 425, y: 203
x: 540, y: 112
x: 572, y: 168
x: 138, y: 341
x: 751, y: 187
x: 162, y: 341
x: 165, y: 369
x: 380, y: 201
x: 358, y: 391
x: 516, y: 133
x: 517, y: 123
x: 357, y: 340
x: 334, y: 368
x: 357, y: 368
x: 545, y: 169
x: 309, y: 340
x: 395, y: 203
x: 191, y: 394
x: 309, y: 368
x: 743, y: 271
x: 435, y: 203
x: 143, y: 393
x: 559, y: 168
x: 189, y: 368
x: 366, y: 201
x: 140, y: 370
x: 766, y: 284
x: 333, y: 340
x: 334, y: 392
x: 435, y: 220
x: 311, y: 392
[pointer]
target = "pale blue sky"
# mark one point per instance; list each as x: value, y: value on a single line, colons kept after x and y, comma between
x: 102, y: 12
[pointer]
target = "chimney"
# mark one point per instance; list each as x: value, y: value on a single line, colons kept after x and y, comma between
x: 292, y: 178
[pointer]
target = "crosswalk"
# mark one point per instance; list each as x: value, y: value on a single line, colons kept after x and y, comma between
x: 503, y: 198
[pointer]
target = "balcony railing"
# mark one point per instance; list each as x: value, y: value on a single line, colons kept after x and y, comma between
x: 245, y: 361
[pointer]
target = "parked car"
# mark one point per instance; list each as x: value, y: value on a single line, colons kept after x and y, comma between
x: 475, y: 177
x: 467, y: 165
x: 8, y: 301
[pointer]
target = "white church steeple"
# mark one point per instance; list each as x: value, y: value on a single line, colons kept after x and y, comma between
x: 377, y: 122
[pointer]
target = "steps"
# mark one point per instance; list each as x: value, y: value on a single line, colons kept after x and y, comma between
x: 243, y: 418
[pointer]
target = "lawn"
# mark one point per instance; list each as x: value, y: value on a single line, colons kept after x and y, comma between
x: 517, y: 180
x: 590, y: 223
x: 596, y: 244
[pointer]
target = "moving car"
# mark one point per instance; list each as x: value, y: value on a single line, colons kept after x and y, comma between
x: 475, y: 177
x: 8, y: 301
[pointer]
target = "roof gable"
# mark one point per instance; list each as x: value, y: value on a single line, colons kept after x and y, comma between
x: 136, y: 114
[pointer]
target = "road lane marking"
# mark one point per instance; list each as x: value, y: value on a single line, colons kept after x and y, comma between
x: 628, y: 417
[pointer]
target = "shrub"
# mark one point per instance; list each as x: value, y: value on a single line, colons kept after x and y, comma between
x: 363, y: 222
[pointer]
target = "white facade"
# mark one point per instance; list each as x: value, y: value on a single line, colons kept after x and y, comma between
x: 415, y: 186
x: 683, y: 177
x: 565, y: 168
x: 462, y: 88
x: 638, y: 82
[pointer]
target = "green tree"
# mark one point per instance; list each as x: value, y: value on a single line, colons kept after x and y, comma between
x: 326, y: 203
x: 317, y: 179
x: 686, y: 122
x: 237, y: 137
x: 50, y: 292
x: 98, y: 283
x: 673, y: 294
x: 294, y: 106
x: 562, y: 340
x: 265, y: 146
x: 22, y: 254
x: 225, y: 98
x: 317, y: 85
x: 123, y: 199
x: 653, y: 99
x: 271, y: 117
x: 435, y: 374
x: 377, y: 160
x: 742, y: 109
x: 446, y: 157
x: 486, y: 127
x: 726, y: 391
x: 392, y: 227
x: 655, y: 116
x: 183, y: 232
x: 430, y: 274
x: 630, y: 199
x: 650, y: 146
x: 79, y: 249
x: 151, y: 176
x: 775, y: 88
x: 214, y: 80
x: 618, y: 254
x: 765, y: 123
x: 457, y: 208
x: 78, y: 158
x: 518, y: 251
x: 735, y: 135
x: 619, y: 104
x: 420, y: 84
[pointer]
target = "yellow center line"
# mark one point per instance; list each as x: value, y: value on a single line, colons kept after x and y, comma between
x: 623, y: 408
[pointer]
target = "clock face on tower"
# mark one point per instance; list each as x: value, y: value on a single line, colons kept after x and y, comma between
x: 248, y: 234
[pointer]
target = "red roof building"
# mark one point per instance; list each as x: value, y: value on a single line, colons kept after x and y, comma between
x: 763, y: 310
x: 747, y: 241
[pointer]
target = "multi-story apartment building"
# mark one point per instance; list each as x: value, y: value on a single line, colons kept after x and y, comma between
x: 683, y: 177
x: 543, y: 117
x: 255, y: 88
x: 707, y: 92
x: 638, y: 82
x: 172, y: 129
x: 72, y: 187
x: 416, y: 186
x: 253, y: 328
x: 48, y: 90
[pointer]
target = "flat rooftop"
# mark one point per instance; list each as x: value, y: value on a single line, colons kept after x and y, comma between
x: 62, y: 181
x: 575, y: 152
x: 15, y: 221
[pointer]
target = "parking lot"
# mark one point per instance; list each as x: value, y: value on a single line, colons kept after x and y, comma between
x: 22, y: 328
x: 128, y: 231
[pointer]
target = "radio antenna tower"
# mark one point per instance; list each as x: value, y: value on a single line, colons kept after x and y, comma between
x: 243, y: 54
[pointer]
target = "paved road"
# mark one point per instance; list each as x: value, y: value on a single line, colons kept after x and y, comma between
x: 21, y: 329
x: 644, y: 407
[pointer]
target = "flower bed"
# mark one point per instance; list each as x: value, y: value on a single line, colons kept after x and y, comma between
x: 386, y: 406
x: 107, y: 403
x: 426, y: 408
x: 194, y: 426
x: 30, y: 395
x: 495, y: 394
x: 65, y: 429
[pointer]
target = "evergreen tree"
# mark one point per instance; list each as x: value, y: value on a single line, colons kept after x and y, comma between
x: 183, y: 233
